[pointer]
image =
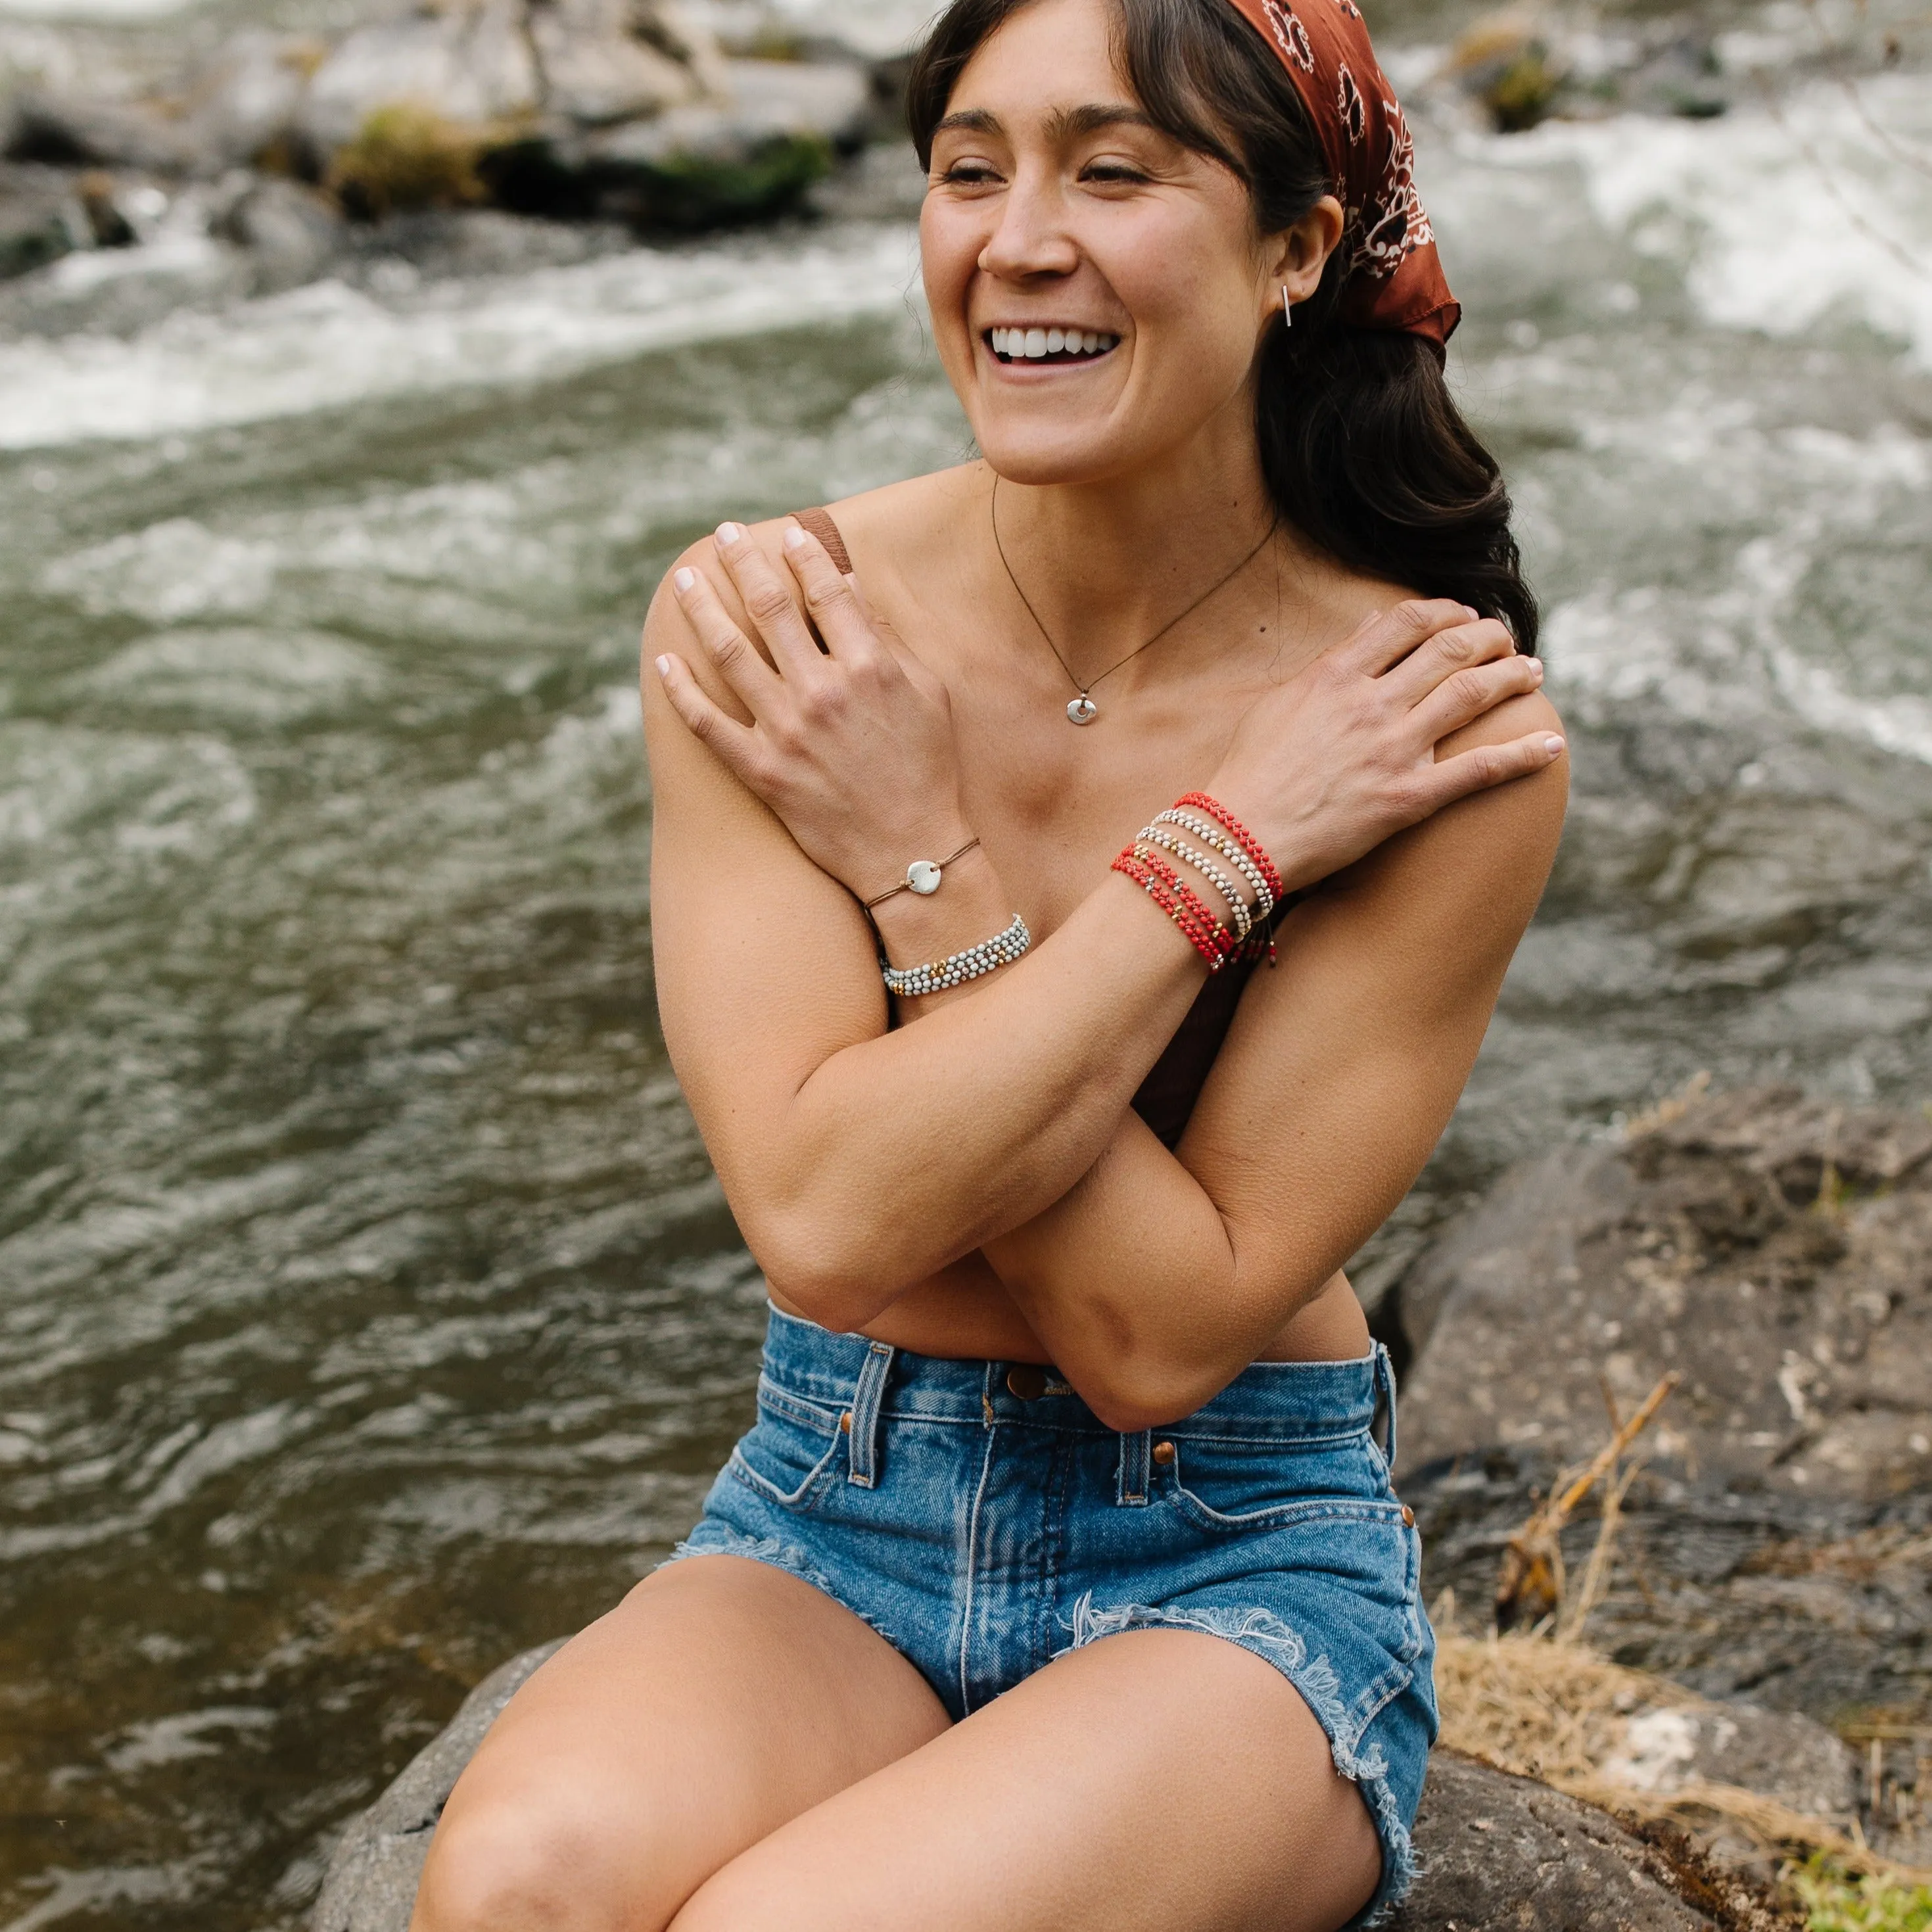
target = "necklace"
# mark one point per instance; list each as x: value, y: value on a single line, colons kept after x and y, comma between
x: 1082, y: 709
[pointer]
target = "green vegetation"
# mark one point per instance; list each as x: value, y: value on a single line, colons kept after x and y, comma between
x: 1835, y: 1901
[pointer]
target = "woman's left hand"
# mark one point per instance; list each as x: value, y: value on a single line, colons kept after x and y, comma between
x: 851, y: 745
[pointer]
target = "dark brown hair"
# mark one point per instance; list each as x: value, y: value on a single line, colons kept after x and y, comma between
x: 1364, y: 448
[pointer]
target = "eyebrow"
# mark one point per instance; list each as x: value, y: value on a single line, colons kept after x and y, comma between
x: 1063, y: 124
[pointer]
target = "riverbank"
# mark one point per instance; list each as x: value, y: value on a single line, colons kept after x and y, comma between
x: 371, y: 1313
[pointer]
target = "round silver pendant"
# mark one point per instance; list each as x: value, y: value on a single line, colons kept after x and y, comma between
x: 923, y: 875
x: 1082, y: 710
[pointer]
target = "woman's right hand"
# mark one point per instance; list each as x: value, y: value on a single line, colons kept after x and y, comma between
x: 1326, y: 766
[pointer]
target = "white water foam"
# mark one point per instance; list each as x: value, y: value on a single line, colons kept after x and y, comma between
x: 1745, y: 647
x: 1783, y: 213
x: 327, y: 345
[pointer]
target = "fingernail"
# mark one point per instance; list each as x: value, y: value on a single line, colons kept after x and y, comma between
x: 1554, y: 746
x: 730, y: 533
x: 1472, y: 614
x: 1536, y: 669
x: 794, y: 537
x: 684, y: 579
x: 664, y: 666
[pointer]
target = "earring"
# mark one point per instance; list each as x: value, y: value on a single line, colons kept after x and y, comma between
x: 1287, y: 313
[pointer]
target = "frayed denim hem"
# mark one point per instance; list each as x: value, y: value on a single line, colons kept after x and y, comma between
x: 719, y: 1539
x: 1274, y: 1643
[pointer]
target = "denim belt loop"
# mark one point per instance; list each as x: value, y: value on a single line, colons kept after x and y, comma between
x: 1136, y: 1465
x: 1385, y: 1400
x: 866, y: 1398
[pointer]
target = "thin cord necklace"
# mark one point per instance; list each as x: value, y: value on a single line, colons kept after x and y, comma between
x: 1082, y: 710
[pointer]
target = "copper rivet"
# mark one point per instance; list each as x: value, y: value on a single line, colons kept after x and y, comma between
x: 1027, y: 1380
x: 845, y: 1424
x: 1407, y: 1516
x: 1163, y: 1453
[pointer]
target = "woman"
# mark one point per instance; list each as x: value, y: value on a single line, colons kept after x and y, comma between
x: 1060, y: 1583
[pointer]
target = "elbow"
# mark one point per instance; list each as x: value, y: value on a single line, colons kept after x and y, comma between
x: 820, y: 1271
x: 1131, y: 1391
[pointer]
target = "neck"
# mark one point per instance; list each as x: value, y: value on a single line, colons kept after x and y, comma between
x: 1105, y: 563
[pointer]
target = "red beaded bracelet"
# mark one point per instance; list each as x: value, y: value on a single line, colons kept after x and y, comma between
x: 1163, y: 885
x: 1243, y: 837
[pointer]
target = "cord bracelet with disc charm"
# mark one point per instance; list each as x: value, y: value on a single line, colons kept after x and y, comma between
x: 923, y: 876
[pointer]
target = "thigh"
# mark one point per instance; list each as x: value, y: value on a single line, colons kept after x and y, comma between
x: 1159, y: 1780
x: 722, y: 1697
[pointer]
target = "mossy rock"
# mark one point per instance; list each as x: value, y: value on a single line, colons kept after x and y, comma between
x: 692, y: 191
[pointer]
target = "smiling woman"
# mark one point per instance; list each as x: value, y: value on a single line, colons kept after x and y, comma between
x: 1065, y: 1477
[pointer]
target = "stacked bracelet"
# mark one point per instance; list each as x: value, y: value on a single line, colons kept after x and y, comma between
x: 1162, y: 884
x: 1251, y: 847
x: 1219, y: 831
x: 1002, y: 950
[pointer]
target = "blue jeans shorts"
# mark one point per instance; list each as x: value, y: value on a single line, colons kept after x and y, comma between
x: 983, y: 1520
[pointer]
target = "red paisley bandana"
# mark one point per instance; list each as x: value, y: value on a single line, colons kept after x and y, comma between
x: 1394, y: 279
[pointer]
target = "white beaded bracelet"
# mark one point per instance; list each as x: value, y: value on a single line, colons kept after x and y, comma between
x: 1002, y: 950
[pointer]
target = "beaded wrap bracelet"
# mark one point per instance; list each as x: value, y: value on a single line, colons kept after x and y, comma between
x: 1215, y: 875
x: 956, y: 968
x: 1226, y: 835
x: 1242, y: 836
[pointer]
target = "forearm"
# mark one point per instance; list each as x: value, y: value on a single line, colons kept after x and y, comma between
x: 900, y: 1152
x: 1148, y: 1296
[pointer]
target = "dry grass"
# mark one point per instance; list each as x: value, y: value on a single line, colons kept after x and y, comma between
x: 1559, y: 1711
x: 404, y: 156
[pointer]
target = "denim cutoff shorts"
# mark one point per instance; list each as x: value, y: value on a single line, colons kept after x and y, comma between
x: 982, y: 1520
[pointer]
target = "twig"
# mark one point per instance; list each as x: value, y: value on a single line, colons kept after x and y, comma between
x: 1531, y: 1578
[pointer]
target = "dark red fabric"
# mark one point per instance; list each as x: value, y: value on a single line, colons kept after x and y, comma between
x: 1395, y: 280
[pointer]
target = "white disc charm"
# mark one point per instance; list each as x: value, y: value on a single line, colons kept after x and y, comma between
x: 923, y: 876
x: 1082, y: 710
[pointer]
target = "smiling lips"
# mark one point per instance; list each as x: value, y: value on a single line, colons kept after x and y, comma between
x: 1049, y: 345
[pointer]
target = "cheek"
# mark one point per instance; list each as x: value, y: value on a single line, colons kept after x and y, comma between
x: 1192, y: 297
x: 949, y: 253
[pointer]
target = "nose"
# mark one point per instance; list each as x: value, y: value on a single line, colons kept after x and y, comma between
x: 1030, y: 239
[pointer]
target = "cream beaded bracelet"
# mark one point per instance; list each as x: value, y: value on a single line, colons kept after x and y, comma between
x: 1217, y: 876
x: 1002, y: 950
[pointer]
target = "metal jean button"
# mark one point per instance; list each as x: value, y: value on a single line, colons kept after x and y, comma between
x: 1027, y: 1380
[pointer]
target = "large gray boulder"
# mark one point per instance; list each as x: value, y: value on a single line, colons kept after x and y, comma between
x: 1769, y: 1247
x: 1501, y: 1854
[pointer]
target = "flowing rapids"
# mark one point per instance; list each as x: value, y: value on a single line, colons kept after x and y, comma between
x: 367, y: 1308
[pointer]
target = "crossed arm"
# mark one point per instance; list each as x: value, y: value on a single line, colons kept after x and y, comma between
x: 860, y: 1160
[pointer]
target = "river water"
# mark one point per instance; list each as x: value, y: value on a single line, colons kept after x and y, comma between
x: 367, y: 1310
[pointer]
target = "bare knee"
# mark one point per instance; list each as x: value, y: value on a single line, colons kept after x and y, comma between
x: 530, y: 1862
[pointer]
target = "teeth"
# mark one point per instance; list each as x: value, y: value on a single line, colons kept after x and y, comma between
x: 1034, y: 345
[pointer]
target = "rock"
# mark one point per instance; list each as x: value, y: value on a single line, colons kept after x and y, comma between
x: 371, y: 1885
x: 700, y: 165
x: 246, y: 105
x: 41, y: 219
x: 468, y: 66
x: 603, y: 61
x: 1497, y: 1853
x: 64, y: 130
x: 292, y: 233
x: 1780, y: 1754
x: 1771, y: 1249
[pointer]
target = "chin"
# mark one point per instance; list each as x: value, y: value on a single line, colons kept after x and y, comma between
x: 1041, y: 454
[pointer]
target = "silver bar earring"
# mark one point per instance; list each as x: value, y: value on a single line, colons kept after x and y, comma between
x: 1287, y: 313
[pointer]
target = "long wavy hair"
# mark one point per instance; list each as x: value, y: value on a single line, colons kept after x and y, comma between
x: 1363, y: 447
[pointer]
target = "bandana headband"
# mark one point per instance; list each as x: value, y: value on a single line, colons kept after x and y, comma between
x: 1393, y: 278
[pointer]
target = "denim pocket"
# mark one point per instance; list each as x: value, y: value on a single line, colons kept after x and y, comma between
x: 789, y: 1455
x: 1237, y: 1487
